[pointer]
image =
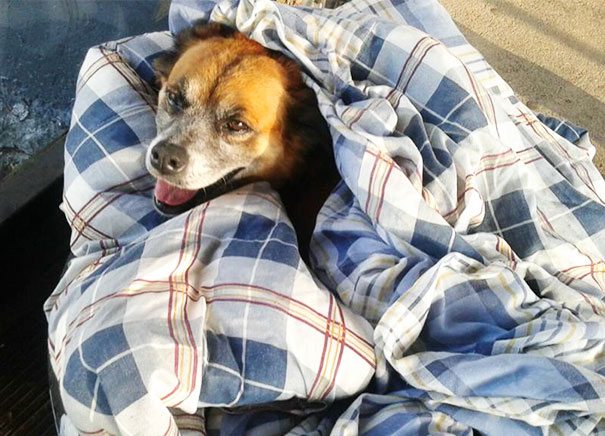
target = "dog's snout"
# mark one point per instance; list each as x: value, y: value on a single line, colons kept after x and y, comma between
x: 168, y: 158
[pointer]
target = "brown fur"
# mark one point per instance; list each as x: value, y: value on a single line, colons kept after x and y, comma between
x: 221, y: 71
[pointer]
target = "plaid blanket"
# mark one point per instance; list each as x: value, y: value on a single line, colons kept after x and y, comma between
x: 457, y: 272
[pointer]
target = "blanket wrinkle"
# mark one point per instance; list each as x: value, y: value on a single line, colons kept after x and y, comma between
x: 457, y: 272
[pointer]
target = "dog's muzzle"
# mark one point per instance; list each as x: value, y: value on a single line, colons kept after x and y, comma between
x: 168, y: 158
x: 170, y: 200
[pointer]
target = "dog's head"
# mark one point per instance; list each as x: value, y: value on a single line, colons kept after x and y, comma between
x: 229, y: 112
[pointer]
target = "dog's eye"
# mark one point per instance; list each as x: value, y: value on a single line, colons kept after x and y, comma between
x: 236, y: 126
x: 176, y: 101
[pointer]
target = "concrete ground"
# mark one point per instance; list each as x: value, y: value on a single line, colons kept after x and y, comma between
x: 552, y: 53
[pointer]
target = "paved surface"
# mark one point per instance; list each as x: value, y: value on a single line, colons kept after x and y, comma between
x: 39, y: 228
x: 552, y: 53
x: 42, y: 45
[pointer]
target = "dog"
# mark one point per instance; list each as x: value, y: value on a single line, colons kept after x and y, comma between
x: 232, y: 112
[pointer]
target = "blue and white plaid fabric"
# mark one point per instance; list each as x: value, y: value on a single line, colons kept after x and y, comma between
x: 458, y: 271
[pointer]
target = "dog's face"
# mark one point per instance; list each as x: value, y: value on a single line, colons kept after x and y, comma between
x: 229, y: 112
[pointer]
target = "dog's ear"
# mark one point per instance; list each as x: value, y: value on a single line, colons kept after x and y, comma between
x: 163, y: 64
x: 200, y: 31
x: 184, y: 39
x: 303, y: 117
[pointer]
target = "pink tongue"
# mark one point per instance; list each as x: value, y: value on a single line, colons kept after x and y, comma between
x: 172, y: 195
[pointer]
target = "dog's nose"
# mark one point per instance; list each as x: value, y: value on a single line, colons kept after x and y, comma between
x: 168, y: 158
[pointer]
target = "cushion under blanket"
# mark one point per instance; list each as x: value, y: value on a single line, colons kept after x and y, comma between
x: 457, y: 271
